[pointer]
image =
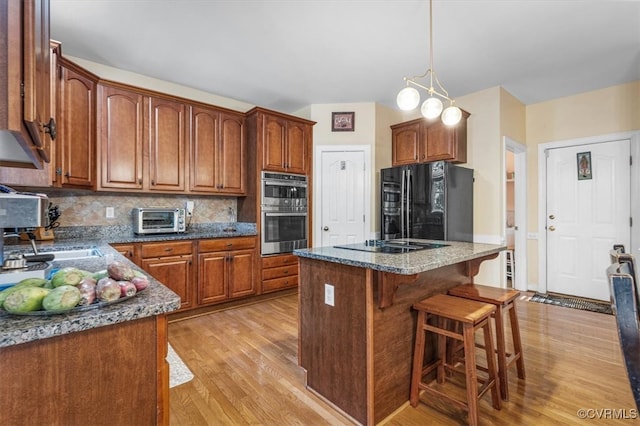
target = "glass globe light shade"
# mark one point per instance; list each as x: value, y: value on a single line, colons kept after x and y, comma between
x: 451, y: 115
x: 431, y: 108
x: 408, y: 98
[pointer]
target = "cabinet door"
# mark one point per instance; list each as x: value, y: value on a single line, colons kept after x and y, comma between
x: 174, y: 272
x: 212, y: 277
x: 37, y: 73
x: 232, y: 165
x: 242, y: 273
x: 405, y: 144
x: 127, y: 250
x: 76, y: 145
x: 120, y: 138
x: 167, y: 132
x: 273, y: 139
x: 297, y: 153
x: 447, y: 143
x: 204, y: 126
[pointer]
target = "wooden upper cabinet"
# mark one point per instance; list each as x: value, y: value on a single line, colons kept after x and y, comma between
x: 447, y: 142
x: 420, y: 140
x: 37, y: 74
x: 297, y: 153
x: 167, y: 131
x: 233, y: 161
x: 75, y: 147
x: 286, y: 145
x: 274, y: 140
x: 405, y: 144
x: 120, y: 124
x: 218, y: 163
x: 25, y: 79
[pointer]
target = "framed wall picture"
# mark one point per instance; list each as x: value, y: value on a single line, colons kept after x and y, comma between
x: 584, y: 165
x: 343, y: 121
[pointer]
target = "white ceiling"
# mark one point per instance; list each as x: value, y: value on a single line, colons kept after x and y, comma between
x: 287, y: 54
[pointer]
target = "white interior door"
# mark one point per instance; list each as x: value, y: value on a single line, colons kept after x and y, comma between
x: 342, y: 198
x: 584, y: 218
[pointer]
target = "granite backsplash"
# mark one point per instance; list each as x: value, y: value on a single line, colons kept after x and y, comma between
x: 84, y: 208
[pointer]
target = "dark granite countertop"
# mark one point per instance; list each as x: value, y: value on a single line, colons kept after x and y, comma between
x: 154, y: 300
x: 404, y: 264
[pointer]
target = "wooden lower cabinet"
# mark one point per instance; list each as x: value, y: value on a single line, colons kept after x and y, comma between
x: 171, y: 263
x: 111, y: 375
x: 129, y: 251
x: 226, y: 269
x: 279, y: 272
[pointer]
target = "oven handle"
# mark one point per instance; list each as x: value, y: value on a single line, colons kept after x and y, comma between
x: 291, y: 184
x: 283, y: 214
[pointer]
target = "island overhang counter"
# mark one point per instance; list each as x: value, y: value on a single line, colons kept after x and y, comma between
x: 356, y: 324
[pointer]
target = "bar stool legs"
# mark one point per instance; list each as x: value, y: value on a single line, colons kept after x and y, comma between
x: 473, y: 316
x: 504, y: 301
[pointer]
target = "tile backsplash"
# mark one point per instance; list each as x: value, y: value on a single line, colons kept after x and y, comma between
x: 82, y: 208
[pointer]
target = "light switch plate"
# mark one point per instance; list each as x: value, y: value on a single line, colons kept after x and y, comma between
x: 329, y: 295
x: 110, y: 213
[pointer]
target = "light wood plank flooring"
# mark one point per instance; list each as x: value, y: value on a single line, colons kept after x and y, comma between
x: 245, y: 366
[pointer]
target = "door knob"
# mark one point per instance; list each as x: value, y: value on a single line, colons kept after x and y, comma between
x: 326, y: 228
x: 552, y: 228
x: 551, y: 216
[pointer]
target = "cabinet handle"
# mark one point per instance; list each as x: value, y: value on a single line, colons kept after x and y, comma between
x: 139, y: 181
x: 153, y: 183
x: 168, y: 249
x: 286, y: 271
x: 229, y: 244
x: 50, y: 128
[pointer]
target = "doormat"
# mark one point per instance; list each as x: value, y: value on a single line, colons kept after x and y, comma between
x: 573, y: 302
x: 179, y: 373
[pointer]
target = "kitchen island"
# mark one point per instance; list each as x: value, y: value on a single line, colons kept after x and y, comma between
x: 356, y: 324
x: 97, y: 366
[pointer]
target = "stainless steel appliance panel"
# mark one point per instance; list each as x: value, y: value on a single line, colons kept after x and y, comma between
x: 284, y: 222
x: 435, y: 202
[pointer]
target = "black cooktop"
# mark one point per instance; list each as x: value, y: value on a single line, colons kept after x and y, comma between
x: 390, y: 246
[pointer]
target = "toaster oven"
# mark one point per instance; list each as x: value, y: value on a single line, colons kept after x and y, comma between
x: 156, y: 220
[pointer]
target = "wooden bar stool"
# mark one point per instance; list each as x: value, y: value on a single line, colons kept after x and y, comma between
x: 504, y: 301
x: 473, y: 316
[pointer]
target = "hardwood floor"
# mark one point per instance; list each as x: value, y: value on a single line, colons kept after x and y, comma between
x: 245, y: 366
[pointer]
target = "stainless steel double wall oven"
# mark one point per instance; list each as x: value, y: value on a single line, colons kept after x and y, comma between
x: 285, y: 219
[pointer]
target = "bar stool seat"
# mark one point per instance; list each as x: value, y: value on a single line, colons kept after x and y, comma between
x: 471, y: 315
x: 504, y: 301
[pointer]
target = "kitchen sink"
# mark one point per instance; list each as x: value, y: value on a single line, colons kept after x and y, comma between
x: 75, y: 254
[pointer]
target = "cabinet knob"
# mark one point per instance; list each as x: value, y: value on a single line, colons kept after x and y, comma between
x: 50, y: 128
x: 552, y: 228
x: 326, y: 228
x: 153, y: 183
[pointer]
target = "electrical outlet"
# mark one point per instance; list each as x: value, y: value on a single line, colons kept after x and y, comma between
x: 329, y: 295
x: 188, y: 206
x: 110, y: 213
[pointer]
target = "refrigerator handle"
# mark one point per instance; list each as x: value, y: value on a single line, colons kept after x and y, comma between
x: 407, y: 233
x: 402, y: 201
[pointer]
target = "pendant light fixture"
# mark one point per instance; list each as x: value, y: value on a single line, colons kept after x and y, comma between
x: 409, y: 97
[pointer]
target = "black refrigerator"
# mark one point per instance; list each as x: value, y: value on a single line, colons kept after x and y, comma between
x: 431, y: 201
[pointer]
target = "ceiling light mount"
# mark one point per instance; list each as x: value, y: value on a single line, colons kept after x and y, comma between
x: 409, y: 97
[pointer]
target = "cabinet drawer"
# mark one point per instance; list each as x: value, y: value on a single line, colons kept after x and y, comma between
x: 279, y: 283
x: 177, y: 248
x: 281, y: 260
x: 282, y: 271
x: 223, y: 244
